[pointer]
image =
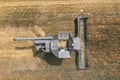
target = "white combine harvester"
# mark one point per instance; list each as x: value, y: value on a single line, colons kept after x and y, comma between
x: 79, y: 43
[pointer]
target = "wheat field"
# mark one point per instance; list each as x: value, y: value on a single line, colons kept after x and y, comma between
x: 31, y: 18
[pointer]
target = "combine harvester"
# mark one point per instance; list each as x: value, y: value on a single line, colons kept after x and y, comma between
x: 79, y: 43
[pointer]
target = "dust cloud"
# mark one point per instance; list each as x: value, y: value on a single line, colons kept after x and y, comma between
x: 38, y: 31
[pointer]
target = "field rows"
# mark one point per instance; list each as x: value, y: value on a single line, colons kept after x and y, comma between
x: 18, y: 18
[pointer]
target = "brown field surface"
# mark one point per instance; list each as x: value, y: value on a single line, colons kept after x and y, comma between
x: 31, y: 18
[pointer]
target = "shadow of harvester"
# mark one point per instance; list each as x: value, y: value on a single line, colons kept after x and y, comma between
x: 48, y: 57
